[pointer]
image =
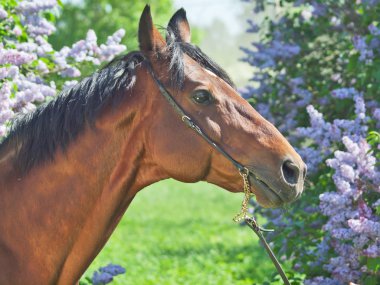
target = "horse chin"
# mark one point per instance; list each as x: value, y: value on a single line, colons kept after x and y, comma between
x: 265, y: 195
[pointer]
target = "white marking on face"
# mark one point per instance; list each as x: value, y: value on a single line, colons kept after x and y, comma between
x: 211, y: 73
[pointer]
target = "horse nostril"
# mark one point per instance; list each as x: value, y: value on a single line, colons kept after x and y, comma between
x: 290, y: 171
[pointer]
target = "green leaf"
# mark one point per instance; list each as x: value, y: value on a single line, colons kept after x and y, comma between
x: 373, y: 264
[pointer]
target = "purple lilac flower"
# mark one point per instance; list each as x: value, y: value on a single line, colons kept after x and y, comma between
x: 6, y: 103
x: 113, y: 46
x: 43, y: 47
x: 17, y: 31
x: 359, y: 107
x: 320, y: 131
x: 268, y: 54
x: 28, y: 47
x: 70, y: 72
x: 355, y: 172
x: 264, y: 110
x: 312, y: 158
x: 113, y: 269
x: 374, y: 30
x: 101, y: 278
x: 322, y: 280
x: 365, y: 226
x: 370, y: 3
x: 319, y: 9
x: 343, y: 93
x: 69, y: 84
x: 42, y: 67
x: 366, y: 53
x: 3, y: 13
x: 373, y: 250
x: 105, y: 274
x: 37, y: 26
x: 253, y: 27
x: 376, y: 116
x: 9, y: 72
x: 34, y: 6
x: 350, y: 218
x: 305, y: 97
x: 13, y: 56
x: 31, y: 88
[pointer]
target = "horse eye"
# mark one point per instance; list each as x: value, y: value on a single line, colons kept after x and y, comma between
x: 203, y: 97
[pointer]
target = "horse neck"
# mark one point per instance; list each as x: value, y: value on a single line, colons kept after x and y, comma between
x: 72, y: 205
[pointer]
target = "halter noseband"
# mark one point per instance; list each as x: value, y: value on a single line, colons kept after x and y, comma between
x: 244, y: 172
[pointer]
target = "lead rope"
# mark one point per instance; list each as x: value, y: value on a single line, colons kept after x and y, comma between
x: 253, y: 225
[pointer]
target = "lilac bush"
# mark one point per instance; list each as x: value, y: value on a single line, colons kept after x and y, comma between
x: 106, y: 274
x: 31, y: 71
x: 317, y: 79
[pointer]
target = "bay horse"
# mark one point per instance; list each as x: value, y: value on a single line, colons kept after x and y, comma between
x: 69, y: 170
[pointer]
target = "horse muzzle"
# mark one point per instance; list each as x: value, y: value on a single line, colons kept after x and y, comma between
x: 277, y: 192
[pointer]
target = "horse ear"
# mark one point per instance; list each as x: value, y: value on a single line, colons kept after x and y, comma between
x: 150, y: 38
x: 180, y: 27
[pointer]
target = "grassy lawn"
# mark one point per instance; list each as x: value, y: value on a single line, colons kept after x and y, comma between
x: 176, y: 233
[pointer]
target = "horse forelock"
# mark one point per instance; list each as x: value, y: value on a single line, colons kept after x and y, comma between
x: 177, y: 49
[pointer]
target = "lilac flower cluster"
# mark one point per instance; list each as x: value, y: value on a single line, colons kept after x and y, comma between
x: 331, y: 79
x: 368, y: 45
x: 266, y: 55
x: 105, y: 274
x: 3, y: 13
x: 353, y: 227
x: 88, y: 50
x: 13, y: 56
x: 26, y: 63
x: 366, y: 54
x: 326, y: 133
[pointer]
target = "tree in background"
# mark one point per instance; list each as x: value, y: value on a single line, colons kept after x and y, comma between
x: 31, y: 70
x: 318, y: 81
x: 104, y: 17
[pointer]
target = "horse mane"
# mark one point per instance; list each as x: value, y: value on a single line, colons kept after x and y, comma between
x: 37, y: 135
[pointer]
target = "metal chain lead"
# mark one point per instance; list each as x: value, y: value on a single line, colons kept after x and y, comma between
x: 251, y: 222
x: 247, y: 195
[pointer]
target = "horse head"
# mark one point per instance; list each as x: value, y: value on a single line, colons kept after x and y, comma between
x: 206, y: 94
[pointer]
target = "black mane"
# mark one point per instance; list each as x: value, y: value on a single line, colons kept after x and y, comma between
x: 37, y: 136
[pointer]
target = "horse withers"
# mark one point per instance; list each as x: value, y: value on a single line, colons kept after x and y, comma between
x: 69, y: 170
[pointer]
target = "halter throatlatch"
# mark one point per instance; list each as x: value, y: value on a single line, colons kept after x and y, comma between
x: 244, y: 172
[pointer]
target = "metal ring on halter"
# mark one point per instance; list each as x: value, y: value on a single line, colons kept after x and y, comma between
x: 244, y: 171
x: 185, y: 118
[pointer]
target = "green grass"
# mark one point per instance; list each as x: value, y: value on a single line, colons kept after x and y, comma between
x: 176, y: 233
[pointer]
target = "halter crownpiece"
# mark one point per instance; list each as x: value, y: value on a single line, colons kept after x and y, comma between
x: 244, y: 172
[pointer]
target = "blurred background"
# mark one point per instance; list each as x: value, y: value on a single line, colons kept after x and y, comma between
x: 218, y: 27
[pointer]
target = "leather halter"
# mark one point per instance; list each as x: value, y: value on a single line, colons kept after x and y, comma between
x: 250, y: 221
